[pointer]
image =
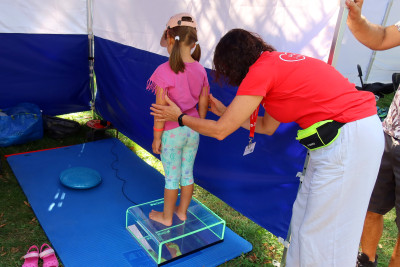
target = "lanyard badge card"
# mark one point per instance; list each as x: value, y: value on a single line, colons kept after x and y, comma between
x: 253, y: 120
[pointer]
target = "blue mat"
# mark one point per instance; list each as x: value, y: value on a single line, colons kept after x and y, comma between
x: 87, y: 227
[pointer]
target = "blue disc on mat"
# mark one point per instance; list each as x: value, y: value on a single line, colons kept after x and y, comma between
x: 80, y: 178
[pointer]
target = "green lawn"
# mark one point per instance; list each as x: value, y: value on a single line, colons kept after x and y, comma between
x: 19, y: 228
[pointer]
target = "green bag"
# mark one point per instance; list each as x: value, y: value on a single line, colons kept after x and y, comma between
x: 320, y: 134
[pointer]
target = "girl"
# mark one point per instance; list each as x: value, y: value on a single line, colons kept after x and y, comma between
x: 185, y: 81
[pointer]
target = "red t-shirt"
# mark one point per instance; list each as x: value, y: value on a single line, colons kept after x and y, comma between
x: 305, y: 90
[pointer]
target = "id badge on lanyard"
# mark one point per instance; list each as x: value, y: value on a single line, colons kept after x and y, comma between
x: 253, y: 120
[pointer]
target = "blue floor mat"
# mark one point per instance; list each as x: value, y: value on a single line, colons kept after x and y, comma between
x: 87, y: 227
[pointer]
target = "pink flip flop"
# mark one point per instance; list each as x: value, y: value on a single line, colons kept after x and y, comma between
x: 48, y: 256
x: 31, y: 257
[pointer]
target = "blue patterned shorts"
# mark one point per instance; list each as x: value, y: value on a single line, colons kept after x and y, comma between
x: 178, y: 151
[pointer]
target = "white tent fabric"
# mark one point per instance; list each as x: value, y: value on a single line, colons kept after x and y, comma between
x: 304, y: 27
x: 43, y: 16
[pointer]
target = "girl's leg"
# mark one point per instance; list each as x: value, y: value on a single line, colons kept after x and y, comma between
x: 165, y: 217
x: 186, y: 197
x: 171, y: 150
x: 188, y: 157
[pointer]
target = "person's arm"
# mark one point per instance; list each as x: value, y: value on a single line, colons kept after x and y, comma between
x: 235, y: 115
x: 158, y: 125
x: 203, y: 103
x: 265, y: 125
x: 372, y: 35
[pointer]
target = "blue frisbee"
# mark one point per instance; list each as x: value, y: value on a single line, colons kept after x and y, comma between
x: 80, y: 178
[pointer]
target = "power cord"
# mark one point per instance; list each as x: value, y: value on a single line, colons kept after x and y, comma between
x: 116, y: 173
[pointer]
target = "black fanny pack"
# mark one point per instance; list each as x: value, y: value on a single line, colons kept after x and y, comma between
x: 320, y: 134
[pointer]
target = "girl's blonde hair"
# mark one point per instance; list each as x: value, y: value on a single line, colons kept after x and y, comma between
x: 188, y: 37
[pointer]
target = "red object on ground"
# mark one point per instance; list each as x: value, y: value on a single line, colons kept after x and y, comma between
x: 6, y: 156
x: 95, y: 124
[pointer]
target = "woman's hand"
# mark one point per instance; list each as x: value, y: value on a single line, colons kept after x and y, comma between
x: 166, y: 113
x: 156, y: 146
x: 216, y: 106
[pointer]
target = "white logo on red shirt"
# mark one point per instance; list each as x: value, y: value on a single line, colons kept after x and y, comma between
x: 291, y: 57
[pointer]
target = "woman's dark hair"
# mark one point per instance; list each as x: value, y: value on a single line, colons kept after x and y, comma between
x: 235, y: 53
x: 187, y: 36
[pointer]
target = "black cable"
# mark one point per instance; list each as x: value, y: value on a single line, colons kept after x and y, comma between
x: 116, y: 173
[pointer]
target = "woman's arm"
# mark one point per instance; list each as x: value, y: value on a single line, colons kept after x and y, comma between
x: 235, y: 115
x: 265, y: 125
x: 203, y: 103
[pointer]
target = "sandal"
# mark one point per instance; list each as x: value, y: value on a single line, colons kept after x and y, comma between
x: 31, y: 257
x: 48, y: 256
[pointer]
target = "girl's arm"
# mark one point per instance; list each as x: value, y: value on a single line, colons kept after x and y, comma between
x: 235, y: 115
x: 203, y: 103
x: 216, y: 106
x: 158, y: 125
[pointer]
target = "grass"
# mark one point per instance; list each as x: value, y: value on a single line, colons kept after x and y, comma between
x: 19, y: 227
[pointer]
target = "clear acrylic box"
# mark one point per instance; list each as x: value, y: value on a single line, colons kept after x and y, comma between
x: 164, y: 244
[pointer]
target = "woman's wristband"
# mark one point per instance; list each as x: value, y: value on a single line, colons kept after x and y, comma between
x: 158, y: 130
x: 180, y: 119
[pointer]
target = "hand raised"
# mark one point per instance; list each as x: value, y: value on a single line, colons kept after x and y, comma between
x: 354, y: 7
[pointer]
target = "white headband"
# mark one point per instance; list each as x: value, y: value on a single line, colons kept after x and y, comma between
x: 177, y: 38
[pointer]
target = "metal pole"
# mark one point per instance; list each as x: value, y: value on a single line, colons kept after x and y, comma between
x: 338, y: 35
x: 91, y: 52
x: 372, y: 59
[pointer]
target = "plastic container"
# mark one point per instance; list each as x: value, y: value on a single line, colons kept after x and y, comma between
x: 201, y: 229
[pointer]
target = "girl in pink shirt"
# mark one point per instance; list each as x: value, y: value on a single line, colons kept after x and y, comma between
x: 185, y: 81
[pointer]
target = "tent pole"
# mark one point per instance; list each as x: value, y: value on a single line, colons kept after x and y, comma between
x: 372, y: 59
x: 338, y: 35
x: 91, y: 53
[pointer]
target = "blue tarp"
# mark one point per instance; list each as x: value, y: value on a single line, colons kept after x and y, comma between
x: 49, y: 70
x: 20, y: 124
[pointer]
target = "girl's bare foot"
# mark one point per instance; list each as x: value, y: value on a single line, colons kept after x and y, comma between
x: 159, y: 217
x: 181, y: 214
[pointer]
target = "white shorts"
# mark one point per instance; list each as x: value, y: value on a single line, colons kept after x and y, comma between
x: 329, y: 211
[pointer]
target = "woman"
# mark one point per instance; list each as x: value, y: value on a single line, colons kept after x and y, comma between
x: 330, y: 208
